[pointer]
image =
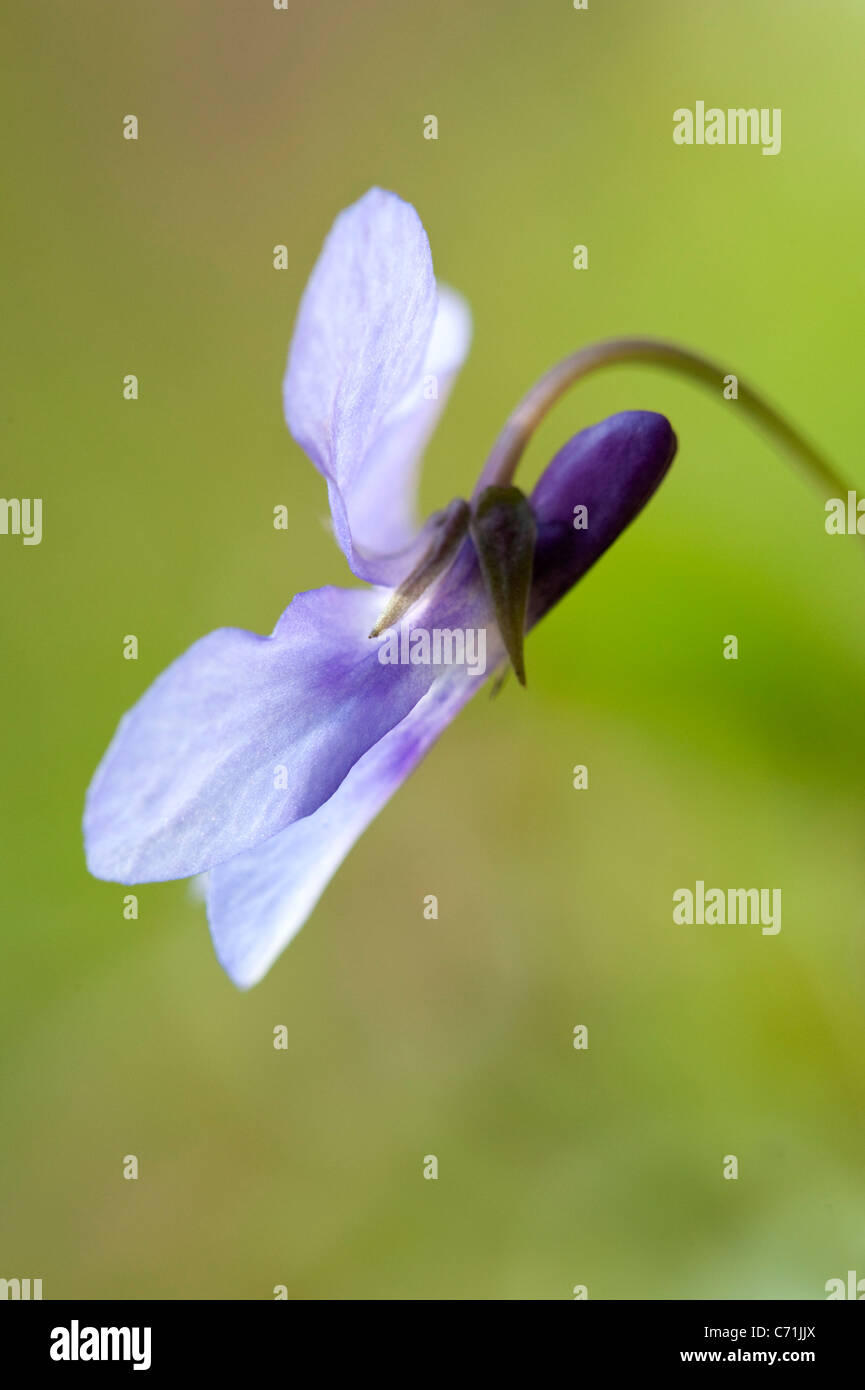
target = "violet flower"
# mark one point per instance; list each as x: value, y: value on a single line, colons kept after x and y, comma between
x: 260, y: 760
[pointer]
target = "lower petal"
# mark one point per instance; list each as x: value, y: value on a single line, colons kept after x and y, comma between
x: 257, y: 901
x: 243, y: 735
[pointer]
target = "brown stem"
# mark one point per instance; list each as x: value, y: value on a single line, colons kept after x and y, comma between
x: 508, y: 448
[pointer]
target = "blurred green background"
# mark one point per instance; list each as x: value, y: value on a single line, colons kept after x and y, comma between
x: 406, y: 1037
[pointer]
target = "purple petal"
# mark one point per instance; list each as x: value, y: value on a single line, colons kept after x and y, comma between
x: 370, y: 331
x: 258, y: 901
x: 382, y: 500
x: 193, y: 777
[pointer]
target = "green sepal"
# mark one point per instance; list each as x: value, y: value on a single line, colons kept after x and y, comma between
x: 503, y: 529
x: 448, y: 528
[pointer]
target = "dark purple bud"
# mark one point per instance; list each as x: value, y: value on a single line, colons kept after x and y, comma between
x: 611, y: 469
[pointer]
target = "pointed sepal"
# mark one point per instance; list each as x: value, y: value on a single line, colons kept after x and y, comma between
x: 504, y: 530
x: 448, y: 529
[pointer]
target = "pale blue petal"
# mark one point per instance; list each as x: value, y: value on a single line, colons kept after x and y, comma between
x: 370, y: 332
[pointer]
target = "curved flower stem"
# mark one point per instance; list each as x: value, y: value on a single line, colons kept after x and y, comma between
x: 501, y: 465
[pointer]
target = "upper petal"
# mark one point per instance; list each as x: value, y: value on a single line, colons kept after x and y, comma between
x: 381, y: 506
x: 371, y: 329
x: 242, y: 735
